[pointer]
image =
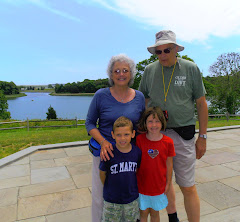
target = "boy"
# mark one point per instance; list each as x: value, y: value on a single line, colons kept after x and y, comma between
x: 118, y: 175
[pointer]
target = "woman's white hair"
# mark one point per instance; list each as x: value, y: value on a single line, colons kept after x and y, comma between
x: 121, y: 58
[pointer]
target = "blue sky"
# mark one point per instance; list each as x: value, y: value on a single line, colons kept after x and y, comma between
x: 60, y: 41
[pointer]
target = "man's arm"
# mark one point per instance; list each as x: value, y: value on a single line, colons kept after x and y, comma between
x: 202, y: 110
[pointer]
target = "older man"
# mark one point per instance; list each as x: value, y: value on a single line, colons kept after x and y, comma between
x: 175, y: 84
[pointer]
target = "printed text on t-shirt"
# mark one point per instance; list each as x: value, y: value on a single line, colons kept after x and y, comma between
x: 123, y: 167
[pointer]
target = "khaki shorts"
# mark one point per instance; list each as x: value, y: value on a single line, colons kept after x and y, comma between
x: 185, y: 159
x: 120, y: 212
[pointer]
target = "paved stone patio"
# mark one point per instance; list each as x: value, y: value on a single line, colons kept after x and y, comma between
x: 54, y: 185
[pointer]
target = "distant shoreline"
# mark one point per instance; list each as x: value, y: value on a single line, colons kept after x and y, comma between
x: 71, y: 94
x: 15, y: 95
x: 21, y: 94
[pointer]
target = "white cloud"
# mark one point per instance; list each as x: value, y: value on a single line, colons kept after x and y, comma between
x: 189, y: 19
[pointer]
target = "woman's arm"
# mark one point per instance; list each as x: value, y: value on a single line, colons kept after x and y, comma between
x: 91, y: 122
x: 106, y: 147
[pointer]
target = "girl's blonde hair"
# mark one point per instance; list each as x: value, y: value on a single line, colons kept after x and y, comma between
x: 155, y: 111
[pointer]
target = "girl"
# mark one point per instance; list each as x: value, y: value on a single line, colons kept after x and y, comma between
x: 155, y: 173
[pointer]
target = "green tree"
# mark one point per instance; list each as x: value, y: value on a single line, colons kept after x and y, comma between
x: 186, y: 57
x: 9, y: 88
x: 51, y: 114
x: 209, y: 86
x: 227, y: 71
x: 140, y: 69
x: 4, y: 114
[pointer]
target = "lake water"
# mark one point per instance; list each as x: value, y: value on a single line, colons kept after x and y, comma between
x: 35, y: 106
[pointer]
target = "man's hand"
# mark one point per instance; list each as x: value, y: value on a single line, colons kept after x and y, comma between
x: 200, y: 145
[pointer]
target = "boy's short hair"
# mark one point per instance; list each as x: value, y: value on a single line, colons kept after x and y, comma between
x: 123, y: 121
x: 142, y: 126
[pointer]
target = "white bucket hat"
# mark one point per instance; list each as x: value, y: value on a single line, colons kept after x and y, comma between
x: 162, y: 38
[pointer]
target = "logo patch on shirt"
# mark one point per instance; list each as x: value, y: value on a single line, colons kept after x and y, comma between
x: 180, y: 80
x: 153, y: 153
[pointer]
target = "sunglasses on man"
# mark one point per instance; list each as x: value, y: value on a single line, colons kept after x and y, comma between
x: 166, y: 51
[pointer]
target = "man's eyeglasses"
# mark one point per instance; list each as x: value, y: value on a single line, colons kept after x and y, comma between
x: 166, y: 51
x: 118, y: 71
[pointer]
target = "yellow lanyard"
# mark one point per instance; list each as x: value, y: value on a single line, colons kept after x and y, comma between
x: 165, y: 93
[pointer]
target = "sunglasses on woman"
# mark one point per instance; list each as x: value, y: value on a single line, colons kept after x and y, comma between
x: 166, y: 51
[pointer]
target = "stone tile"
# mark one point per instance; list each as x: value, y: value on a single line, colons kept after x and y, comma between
x: 8, y: 197
x: 228, y: 135
x: 229, y: 142
x: 216, y: 136
x: 212, y: 173
x: 76, y: 151
x: 228, y: 215
x: 237, y: 138
x: 42, y: 164
x: 219, y: 195
x: 8, y: 213
x: 49, y: 174
x: 233, y: 182
x: 48, y: 154
x: 200, y: 164
x: 233, y: 165
x: 90, y: 189
x: 36, y: 219
x: 218, y: 150
x: 73, y: 160
x: 205, y: 207
x: 220, y: 158
x: 224, y: 134
x: 53, y: 203
x: 215, y: 145
x: 14, y: 182
x: 79, y: 215
x: 14, y: 171
x: 231, y: 131
x: 79, y: 169
x: 84, y: 180
x: 24, y: 160
x: 233, y: 149
x: 46, y: 188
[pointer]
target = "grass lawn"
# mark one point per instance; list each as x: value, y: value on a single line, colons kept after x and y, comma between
x: 12, y: 141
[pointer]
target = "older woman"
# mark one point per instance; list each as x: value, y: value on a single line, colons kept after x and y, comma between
x: 107, y: 105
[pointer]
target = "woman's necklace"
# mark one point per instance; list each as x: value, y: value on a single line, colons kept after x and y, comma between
x: 121, y: 99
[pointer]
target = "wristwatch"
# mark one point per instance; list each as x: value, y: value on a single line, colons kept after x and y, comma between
x: 203, y: 136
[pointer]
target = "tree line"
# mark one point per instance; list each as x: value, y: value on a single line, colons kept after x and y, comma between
x: 87, y: 86
x: 9, y: 88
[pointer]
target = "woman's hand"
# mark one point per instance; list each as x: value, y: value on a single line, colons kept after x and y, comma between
x: 106, y: 149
